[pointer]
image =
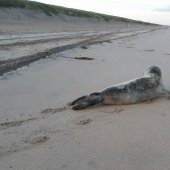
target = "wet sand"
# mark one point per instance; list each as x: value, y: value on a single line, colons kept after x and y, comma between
x: 38, y: 131
x: 21, y: 50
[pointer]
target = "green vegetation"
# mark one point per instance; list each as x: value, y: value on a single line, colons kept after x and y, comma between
x: 47, y: 9
x: 55, y: 10
x: 12, y: 3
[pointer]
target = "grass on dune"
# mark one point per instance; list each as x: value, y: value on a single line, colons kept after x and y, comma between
x: 55, y: 10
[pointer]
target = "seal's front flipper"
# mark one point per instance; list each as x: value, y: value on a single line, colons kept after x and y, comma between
x: 166, y: 93
x: 87, y: 101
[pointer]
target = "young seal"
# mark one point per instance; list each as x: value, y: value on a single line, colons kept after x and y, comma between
x: 145, y: 88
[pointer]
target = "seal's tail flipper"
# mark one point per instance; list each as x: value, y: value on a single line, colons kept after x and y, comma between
x: 86, y: 101
x: 78, y: 99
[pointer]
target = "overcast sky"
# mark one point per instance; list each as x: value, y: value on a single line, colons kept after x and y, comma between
x: 155, y: 11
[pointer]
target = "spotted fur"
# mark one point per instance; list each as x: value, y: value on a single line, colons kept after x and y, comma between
x: 145, y: 88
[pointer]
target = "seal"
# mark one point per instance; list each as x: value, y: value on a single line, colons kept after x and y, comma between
x: 145, y: 88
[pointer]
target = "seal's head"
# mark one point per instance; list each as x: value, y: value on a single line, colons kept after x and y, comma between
x: 154, y: 70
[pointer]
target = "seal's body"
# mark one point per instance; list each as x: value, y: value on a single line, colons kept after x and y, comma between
x: 138, y: 90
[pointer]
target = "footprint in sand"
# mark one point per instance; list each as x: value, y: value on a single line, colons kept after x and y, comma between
x: 84, y: 121
x: 24, y: 145
x: 9, y: 124
x: 50, y: 111
x: 116, y: 110
x: 46, y: 112
x: 39, y: 139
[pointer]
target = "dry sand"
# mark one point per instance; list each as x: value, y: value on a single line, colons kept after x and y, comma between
x: 38, y: 131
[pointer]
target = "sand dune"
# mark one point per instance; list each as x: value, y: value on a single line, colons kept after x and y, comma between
x: 25, y: 21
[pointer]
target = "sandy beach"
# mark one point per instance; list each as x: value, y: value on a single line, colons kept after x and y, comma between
x: 37, y: 129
